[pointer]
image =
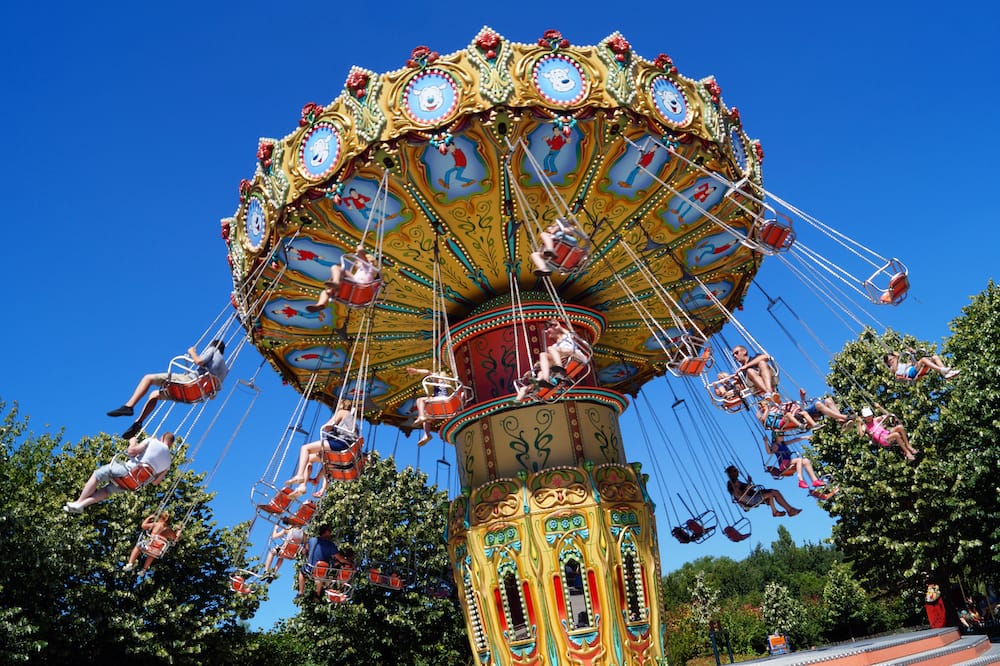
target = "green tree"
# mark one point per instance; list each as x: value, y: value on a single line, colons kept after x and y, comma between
x: 62, y: 574
x: 780, y: 609
x: 846, y: 603
x: 387, y: 516
x: 899, y: 521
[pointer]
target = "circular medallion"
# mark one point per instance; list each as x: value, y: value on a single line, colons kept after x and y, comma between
x: 256, y: 224
x: 669, y: 101
x: 319, y: 151
x: 559, y: 80
x: 739, y: 151
x: 430, y: 97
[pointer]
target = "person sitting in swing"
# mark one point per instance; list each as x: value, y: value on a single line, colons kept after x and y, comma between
x: 211, y: 361
x: 560, y: 229
x: 780, y: 417
x: 364, y: 274
x: 440, y: 393
x: 292, y: 537
x: 912, y: 371
x: 338, y: 434
x: 748, y: 495
x: 156, y: 527
x: 729, y: 388
x: 871, y: 425
x: 152, y: 451
x: 788, y: 458
x: 563, y: 347
x: 819, y: 407
x: 757, y: 369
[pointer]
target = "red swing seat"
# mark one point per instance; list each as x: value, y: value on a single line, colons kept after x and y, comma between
x: 279, y: 503
x: 690, y: 357
x: 444, y: 396
x: 345, y: 465
x: 356, y: 294
x: 895, y: 290
x: 185, y: 389
x: 289, y: 550
x: 775, y: 235
x: 733, y: 532
x: 303, y: 514
x: 140, y: 475
x: 154, y: 545
x: 239, y: 584
x: 681, y: 534
x: 570, y: 246
x: 339, y: 594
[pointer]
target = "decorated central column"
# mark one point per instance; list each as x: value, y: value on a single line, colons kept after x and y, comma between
x: 553, y: 540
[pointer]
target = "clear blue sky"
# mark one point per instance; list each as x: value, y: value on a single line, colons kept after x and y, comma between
x: 128, y: 127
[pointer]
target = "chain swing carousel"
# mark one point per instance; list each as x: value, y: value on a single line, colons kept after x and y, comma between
x: 520, y: 188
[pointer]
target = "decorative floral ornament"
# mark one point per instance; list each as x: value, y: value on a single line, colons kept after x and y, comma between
x: 226, y: 228
x: 244, y: 189
x: 553, y: 39
x: 666, y: 63
x: 670, y: 141
x: 357, y: 83
x: 758, y: 150
x: 488, y: 43
x: 265, y: 151
x: 442, y: 141
x: 714, y: 91
x: 566, y: 124
x: 422, y: 56
x: 621, y: 48
x: 310, y: 113
x: 734, y: 114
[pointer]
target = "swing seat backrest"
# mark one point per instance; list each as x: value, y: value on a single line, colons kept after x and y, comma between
x: 695, y: 527
x: 694, y: 366
x: 140, y: 475
x: 154, y: 545
x: 279, y: 503
x: 290, y: 550
x: 345, y: 465
x: 303, y: 514
x: 320, y: 570
x: 899, y: 287
x: 895, y: 290
x: 344, y: 574
x: 776, y: 235
x: 571, y: 247
x: 751, y: 498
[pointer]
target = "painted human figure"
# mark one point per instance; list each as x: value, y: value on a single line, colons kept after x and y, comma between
x: 460, y: 163
x: 701, y: 194
x: 556, y: 142
x: 645, y: 159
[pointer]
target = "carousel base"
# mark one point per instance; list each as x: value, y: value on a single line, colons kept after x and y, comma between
x: 930, y: 647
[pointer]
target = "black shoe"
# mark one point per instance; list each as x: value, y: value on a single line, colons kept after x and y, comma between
x: 133, y: 430
x: 124, y: 410
x: 540, y: 273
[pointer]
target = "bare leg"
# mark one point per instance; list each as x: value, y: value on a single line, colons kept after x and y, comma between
x: 134, y: 555
x: 147, y: 409
x: 780, y: 499
x: 148, y: 563
x: 147, y: 382
x: 541, y: 268
x: 827, y: 407
x: 427, y: 434
x: 774, y: 509
x: 932, y: 362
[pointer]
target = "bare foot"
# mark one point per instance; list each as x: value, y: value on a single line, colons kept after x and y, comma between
x: 295, y: 480
x: 794, y: 512
x: 319, y: 493
x: 777, y: 514
x: 423, y: 440
x: 299, y: 490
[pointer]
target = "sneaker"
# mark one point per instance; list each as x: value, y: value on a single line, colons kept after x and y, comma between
x: 951, y: 373
x: 133, y: 430
x: 72, y: 507
x: 803, y: 484
x: 124, y: 410
x: 128, y: 566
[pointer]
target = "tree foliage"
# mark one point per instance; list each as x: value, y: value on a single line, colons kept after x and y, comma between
x: 66, y: 599
x: 388, y: 516
x: 898, y: 522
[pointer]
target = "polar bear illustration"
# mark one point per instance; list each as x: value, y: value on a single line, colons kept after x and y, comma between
x: 430, y: 98
x: 559, y: 79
